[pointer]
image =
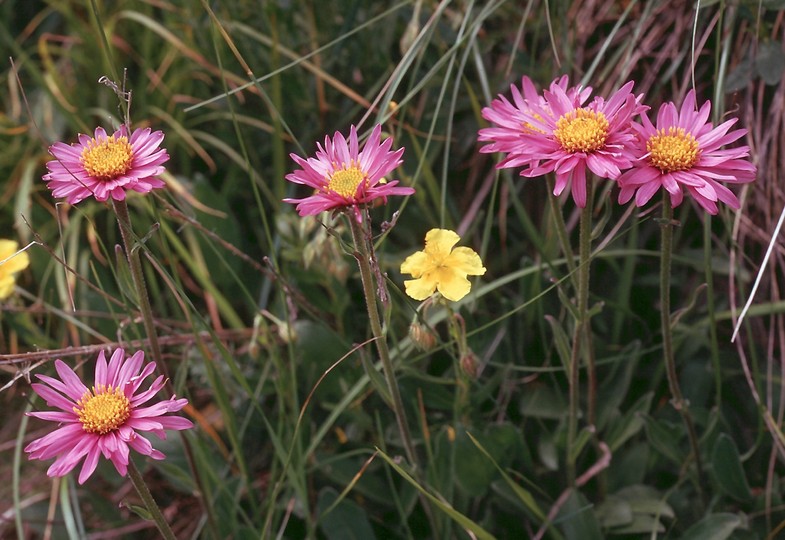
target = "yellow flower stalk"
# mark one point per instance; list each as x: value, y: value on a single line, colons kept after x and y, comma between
x: 11, y: 262
x: 440, y: 267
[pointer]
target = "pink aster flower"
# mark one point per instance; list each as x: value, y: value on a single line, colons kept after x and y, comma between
x: 105, y: 420
x: 511, y: 119
x: 106, y: 166
x: 556, y: 133
x: 683, y: 153
x: 344, y: 176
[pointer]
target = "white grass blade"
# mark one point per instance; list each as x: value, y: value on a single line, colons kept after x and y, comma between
x: 760, y: 275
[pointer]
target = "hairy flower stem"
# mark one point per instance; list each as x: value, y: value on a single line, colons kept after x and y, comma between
x: 149, y: 502
x: 363, y: 256
x: 137, y: 276
x: 580, y: 339
x: 678, y: 401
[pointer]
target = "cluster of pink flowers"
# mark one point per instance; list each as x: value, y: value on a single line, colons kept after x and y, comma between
x: 559, y: 131
x: 556, y: 131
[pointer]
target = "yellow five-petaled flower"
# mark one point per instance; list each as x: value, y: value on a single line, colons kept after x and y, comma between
x: 11, y: 262
x: 440, y: 267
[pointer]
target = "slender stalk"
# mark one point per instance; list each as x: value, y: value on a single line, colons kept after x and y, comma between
x: 149, y: 502
x: 363, y: 256
x: 561, y: 229
x: 137, y: 276
x: 579, y: 338
x: 677, y: 399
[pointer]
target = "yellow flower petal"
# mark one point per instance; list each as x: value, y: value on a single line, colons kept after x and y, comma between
x: 441, y: 267
x: 453, y: 285
x: 6, y: 286
x: 465, y: 260
x: 16, y: 262
x: 420, y: 289
x: 439, y: 242
x: 416, y: 264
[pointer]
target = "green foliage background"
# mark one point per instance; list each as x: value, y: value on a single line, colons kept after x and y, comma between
x: 254, y: 304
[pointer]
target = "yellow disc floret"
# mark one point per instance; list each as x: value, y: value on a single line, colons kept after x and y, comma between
x: 103, y: 410
x: 107, y: 158
x: 673, y: 150
x: 581, y: 130
x: 344, y: 181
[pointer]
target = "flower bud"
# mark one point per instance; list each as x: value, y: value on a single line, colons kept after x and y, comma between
x: 469, y: 362
x: 422, y: 337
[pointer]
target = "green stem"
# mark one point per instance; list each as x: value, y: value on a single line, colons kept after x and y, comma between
x: 363, y: 256
x: 579, y: 338
x: 363, y: 247
x: 137, y: 276
x: 677, y: 399
x: 561, y: 229
x: 149, y: 502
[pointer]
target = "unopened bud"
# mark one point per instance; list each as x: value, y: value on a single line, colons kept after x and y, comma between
x: 422, y: 336
x: 469, y: 363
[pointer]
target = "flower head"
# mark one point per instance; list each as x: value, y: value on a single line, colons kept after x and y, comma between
x: 511, y: 120
x: 11, y: 261
x: 106, y: 166
x: 440, y: 267
x: 105, y: 419
x: 557, y: 133
x: 682, y: 152
x: 344, y: 176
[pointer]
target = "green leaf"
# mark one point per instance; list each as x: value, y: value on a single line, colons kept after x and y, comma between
x: 541, y: 401
x: 641, y: 524
x: 342, y: 519
x: 141, y: 511
x: 629, y: 465
x: 727, y: 469
x: 523, y: 495
x: 576, y: 518
x: 614, y: 387
x: 664, y: 436
x: 628, y: 425
x: 646, y: 500
x: 770, y: 62
x: 459, y: 518
x: 561, y: 341
x: 713, y: 527
x: 614, y: 512
x: 377, y: 381
x: 477, y: 466
x: 634, y: 509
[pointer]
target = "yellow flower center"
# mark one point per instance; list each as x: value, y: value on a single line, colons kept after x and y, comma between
x: 108, y: 158
x: 673, y: 150
x: 103, y: 410
x: 345, y: 181
x: 581, y: 130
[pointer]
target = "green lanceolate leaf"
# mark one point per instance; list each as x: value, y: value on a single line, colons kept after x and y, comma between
x: 728, y: 470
